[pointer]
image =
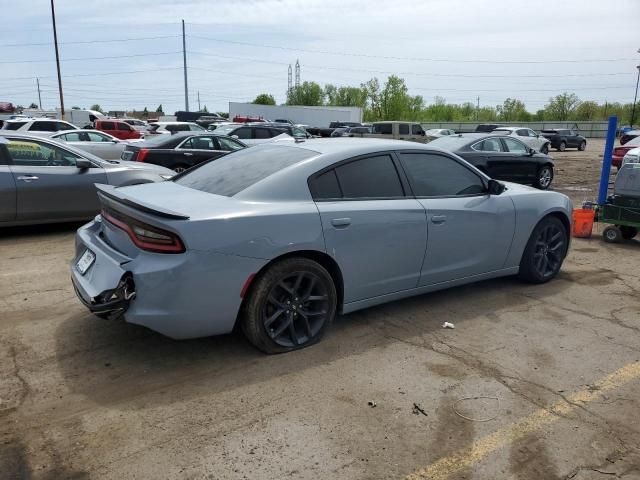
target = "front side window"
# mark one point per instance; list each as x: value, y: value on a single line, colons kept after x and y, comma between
x: 34, y: 153
x: 44, y: 126
x: 229, y: 145
x: 124, y: 127
x: 488, y: 145
x: 417, y: 130
x: 532, y: 133
x: 371, y: 177
x: 98, y: 137
x: 433, y: 175
x: 515, y: 146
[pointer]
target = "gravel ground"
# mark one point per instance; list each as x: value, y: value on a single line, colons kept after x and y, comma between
x: 534, y: 382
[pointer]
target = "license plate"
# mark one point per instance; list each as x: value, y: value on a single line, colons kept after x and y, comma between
x: 86, y: 260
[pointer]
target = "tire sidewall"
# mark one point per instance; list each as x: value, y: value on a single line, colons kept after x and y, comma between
x: 528, y: 271
x: 538, y: 184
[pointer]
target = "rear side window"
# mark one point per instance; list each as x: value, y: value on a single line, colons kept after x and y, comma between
x: 434, y: 175
x: 523, y: 132
x: 489, y: 145
x: 371, y: 177
x: 326, y: 186
x: 403, y: 129
x: 384, y: 128
x: 43, y: 127
x: 239, y: 170
x: 178, y: 127
x: 264, y: 133
x: 243, y: 133
x: 14, y: 125
x: 108, y: 126
x: 515, y: 146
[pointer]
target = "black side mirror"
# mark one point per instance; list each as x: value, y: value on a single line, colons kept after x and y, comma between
x: 532, y: 152
x: 495, y: 187
x: 83, y: 163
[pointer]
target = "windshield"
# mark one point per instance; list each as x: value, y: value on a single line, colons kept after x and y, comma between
x: 449, y: 143
x: 239, y: 170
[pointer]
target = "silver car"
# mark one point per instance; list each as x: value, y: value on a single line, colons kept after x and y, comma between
x: 44, y: 181
x: 98, y: 143
x: 281, y: 237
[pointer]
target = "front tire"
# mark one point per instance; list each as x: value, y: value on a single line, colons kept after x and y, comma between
x: 545, y: 251
x: 289, y: 306
x: 544, y: 177
x: 563, y: 146
x: 583, y: 146
x: 628, y: 232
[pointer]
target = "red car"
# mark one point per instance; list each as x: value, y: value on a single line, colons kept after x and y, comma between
x: 118, y: 129
x: 621, y: 151
x: 7, y: 107
x: 242, y: 119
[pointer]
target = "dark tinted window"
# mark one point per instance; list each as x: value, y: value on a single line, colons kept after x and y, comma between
x: 43, y: 127
x: 14, y: 125
x: 178, y: 127
x: 403, y: 129
x: 436, y: 175
x: 523, y: 132
x: 108, y: 126
x: 239, y: 170
x: 123, y: 126
x: 382, y: 128
x: 242, y: 133
x: 326, y: 186
x: 416, y: 129
x: 228, y: 145
x: 370, y: 177
x: 265, y: 133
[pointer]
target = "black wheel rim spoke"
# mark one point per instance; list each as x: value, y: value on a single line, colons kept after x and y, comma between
x: 548, y: 250
x: 296, y: 309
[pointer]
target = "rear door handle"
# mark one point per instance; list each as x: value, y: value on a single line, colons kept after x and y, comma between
x: 341, y: 222
x: 28, y: 178
x: 438, y: 218
x: 187, y: 154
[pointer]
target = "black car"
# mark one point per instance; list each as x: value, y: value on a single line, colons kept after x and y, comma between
x: 487, y: 127
x: 501, y: 157
x: 182, y: 150
x: 563, y: 138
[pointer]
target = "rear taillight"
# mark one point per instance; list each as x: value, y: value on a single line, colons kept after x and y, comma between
x: 620, y: 151
x: 142, y: 153
x: 144, y: 236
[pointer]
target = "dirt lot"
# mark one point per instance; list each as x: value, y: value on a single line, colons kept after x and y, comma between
x: 548, y: 378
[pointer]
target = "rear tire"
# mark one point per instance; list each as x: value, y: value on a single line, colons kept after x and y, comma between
x: 628, y: 232
x: 289, y: 306
x: 563, y: 146
x: 583, y: 146
x: 545, y: 149
x: 544, y: 177
x: 545, y: 251
x: 612, y: 234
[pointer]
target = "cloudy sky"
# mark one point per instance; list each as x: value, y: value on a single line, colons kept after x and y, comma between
x: 126, y: 54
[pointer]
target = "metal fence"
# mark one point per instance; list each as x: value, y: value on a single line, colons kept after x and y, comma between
x: 587, y: 129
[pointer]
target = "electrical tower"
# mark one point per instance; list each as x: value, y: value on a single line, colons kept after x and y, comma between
x: 297, y: 73
x: 290, y: 82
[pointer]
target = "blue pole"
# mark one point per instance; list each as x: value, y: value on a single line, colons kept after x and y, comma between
x: 606, y: 160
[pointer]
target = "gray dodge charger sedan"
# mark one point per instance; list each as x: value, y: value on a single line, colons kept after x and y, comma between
x: 46, y: 181
x: 280, y: 237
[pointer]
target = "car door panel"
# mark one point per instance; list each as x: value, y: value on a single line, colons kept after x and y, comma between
x: 379, y: 244
x: 466, y: 236
x: 7, y: 194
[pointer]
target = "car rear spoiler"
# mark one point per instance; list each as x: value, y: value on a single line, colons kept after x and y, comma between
x: 113, y: 193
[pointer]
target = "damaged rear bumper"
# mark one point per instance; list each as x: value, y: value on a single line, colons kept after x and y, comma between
x: 110, y: 303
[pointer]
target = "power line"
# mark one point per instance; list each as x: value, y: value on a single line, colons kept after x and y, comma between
x: 88, y: 41
x: 422, y: 59
x: 124, y: 72
x: 94, y: 58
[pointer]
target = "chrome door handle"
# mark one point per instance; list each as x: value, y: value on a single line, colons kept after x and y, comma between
x: 438, y: 218
x: 187, y: 154
x: 341, y: 222
x: 28, y: 178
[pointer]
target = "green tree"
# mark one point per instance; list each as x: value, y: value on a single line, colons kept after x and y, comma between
x: 513, y: 110
x: 145, y: 112
x: 159, y: 109
x: 96, y: 107
x: 204, y: 109
x: 373, y: 108
x: 223, y: 114
x: 264, y: 99
x: 345, y: 96
x: 309, y: 93
x: 587, y: 110
x: 33, y: 105
x: 394, y: 99
x: 561, y: 107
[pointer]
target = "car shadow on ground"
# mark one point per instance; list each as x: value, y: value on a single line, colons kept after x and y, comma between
x: 126, y: 366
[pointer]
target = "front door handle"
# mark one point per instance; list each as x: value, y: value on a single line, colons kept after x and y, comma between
x: 341, y: 222
x: 28, y: 178
x: 187, y: 154
x: 438, y: 218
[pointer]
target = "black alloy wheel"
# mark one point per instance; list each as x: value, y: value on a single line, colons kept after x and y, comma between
x: 289, y: 306
x: 545, y: 251
x: 583, y: 146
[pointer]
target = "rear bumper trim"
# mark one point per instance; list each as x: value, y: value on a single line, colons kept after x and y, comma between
x: 110, y: 303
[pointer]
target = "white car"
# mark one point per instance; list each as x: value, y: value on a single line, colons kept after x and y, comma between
x: 42, y: 127
x: 434, y: 133
x: 169, y: 128
x: 632, y: 156
x: 527, y: 136
x: 100, y: 144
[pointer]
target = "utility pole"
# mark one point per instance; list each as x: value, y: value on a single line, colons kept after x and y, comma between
x: 289, y: 82
x: 55, y: 43
x: 184, y: 59
x: 478, y: 108
x: 297, y: 74
x: 39, y: 97
x: 199, y: 109
x: 635, y: 98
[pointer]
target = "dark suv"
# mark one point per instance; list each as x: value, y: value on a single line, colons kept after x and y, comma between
x: 562, y: 138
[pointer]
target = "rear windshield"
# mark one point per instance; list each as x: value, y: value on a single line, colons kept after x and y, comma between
x: 14, y: 125
x: 239, y: 170
x: 449, y: 143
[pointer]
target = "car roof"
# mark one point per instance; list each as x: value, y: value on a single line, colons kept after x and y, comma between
x: 354, y: 146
